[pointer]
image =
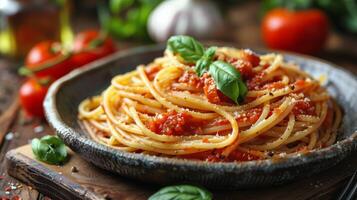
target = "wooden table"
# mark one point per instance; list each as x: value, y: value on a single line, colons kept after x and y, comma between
x: 16, y: 130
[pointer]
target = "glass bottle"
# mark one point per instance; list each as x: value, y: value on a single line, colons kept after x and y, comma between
x: 23, y: 23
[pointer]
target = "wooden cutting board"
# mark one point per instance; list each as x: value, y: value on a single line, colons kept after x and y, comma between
x: 78, y: 179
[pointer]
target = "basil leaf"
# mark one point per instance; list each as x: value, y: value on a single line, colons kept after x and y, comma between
x: 243, y: 90
x: 187, y: 48
x: 49, y: 149
x: 35, y: 143
x: 203, y: 63
x: 227, y: 79
x: 181, y: 192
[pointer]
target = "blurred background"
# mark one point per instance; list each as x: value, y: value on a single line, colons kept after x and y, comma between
x: 45, y: 39
x: 23, y: 23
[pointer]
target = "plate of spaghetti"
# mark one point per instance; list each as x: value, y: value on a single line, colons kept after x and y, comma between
x: 218, y: 116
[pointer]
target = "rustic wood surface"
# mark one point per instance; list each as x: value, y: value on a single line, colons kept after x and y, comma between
x: 243, y: 29
x: 89, y: 182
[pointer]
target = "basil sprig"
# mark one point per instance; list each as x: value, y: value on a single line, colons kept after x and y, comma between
x: 181, y: 192
x: 228, y: 80
x: 205, y: 61
x: 226, y: 77
x: 49, y: 149
x: 187, y: 47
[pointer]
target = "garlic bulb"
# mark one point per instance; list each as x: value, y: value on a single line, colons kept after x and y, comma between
x: 198, y: 18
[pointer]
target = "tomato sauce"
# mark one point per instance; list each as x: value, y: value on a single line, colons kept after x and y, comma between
x: 207, y: 84
x: 300, y: 83
x: 175, y: 124
x: 244, y: 67
x: 152, y: 71
x: 241, y: 156
x: 244, y: 64
x: 191, y: 78
x: 255, y: 82
x: 212, y: 93
x: 274, y: 85
x: 250, y: 116
x: 304, y: 107
x: 250, y: 57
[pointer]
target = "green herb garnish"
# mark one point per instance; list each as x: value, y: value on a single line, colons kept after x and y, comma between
x: 49, y: 149
x: 202, y: 65
x: 181, y: 192
x: 226, y: 77
x: 187, y: 47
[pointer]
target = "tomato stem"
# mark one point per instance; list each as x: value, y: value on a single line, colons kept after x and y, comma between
x: 55, y: 48
x: 43, y: 81
x: 28, y: 72
x: 98, y: 41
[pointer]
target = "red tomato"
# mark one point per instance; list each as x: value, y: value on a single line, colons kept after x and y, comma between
x: 303, y: 31
x: 89, y: 46
x: 32, y: 95
x: 49, y: 54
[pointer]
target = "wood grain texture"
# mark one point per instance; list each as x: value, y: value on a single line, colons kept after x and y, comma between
x: 7, y: 118
x: 59, y: 182
x: 9, y: 104
x: 20, y: 132
x: 51, y: 183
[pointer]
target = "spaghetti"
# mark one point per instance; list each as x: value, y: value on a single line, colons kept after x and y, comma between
x: 165, y: 109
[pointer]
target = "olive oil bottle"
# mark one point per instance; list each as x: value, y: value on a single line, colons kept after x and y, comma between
x: 23, y: 23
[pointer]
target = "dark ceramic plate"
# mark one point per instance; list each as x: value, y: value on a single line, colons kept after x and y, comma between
x: 65, y: 94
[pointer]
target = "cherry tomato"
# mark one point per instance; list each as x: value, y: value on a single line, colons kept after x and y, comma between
x: 49, y: 56
x: 32, y: 95
x: 302, y: 31
x: 91, y: 45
